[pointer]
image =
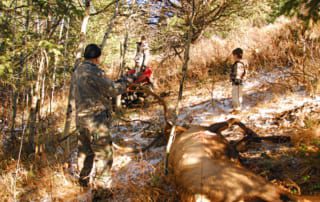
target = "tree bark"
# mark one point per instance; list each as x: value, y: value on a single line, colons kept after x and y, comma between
x: 106, y: 35
x: 21, y: 67
x: 123, y: 51
x: 56, y: 62
x: 16, y: 89
x: 65, y: 51
x: 35, y: 104
x: 124, y: 48
x: 43, y: 91
x: 184, y: 75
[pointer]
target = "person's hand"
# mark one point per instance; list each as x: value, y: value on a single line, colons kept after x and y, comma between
x: 129, y: 80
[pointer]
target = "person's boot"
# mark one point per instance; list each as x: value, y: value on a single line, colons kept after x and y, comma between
x: 84, y: 181
x: 101, y: 194
x: 85, y: 173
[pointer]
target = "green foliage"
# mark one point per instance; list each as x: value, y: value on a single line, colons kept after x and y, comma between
x: 29, y: 27
x: 58, y: 8
x: 52, y: 47
x: 316, y: 186
x: 306, y: 10
x: 210, y: 17
x: 306, y: 178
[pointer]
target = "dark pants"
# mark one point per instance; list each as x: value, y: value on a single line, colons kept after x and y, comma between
x: 85, y: 151
x: 95, y: 149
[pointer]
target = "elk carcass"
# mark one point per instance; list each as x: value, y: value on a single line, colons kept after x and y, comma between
x: 205, y: 167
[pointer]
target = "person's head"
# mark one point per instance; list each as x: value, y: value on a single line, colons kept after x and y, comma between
x: 143, y: 38
x: 92, y: 53
x: 237, y: 54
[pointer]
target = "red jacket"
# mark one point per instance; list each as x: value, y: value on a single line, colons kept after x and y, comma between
x: 142, y: 77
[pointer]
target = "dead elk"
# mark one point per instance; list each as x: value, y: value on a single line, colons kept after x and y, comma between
x: 201, y: 161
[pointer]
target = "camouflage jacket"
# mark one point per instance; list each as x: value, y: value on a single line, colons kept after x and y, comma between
x: 93, y: 91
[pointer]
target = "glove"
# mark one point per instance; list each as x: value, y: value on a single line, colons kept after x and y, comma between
x: 126, y: 80
x: 129, y: 80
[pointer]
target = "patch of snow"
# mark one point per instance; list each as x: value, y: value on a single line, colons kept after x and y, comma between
x: 155, y: 161
x: 120, y: 161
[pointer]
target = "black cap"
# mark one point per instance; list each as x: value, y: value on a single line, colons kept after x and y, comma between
x: 238, y: 52
x: 92, y: 51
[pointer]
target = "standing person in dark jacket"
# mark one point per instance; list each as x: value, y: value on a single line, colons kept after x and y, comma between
x: 237, y: 76
x: 92, y: 91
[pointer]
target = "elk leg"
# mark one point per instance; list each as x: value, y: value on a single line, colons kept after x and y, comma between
x: 233, y: 151
x: 219, y: 127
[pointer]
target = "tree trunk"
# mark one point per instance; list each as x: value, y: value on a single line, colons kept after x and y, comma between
x: 14, y: 112
x: 53, y: 83
x: 124, y: 48
x: 43, y: 91
x: 106, y: 35
x: 35, y: 105
x: 21, y: 66
x: 123, y: 51
x: 15, y: 90
x: 184, y: 75
x: 56, y: 62
x: 65, y: 52
x: 70, y: 102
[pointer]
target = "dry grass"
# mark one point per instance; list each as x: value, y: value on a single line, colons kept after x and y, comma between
x: 294, y: 167
x: 41, y: 176
x: 155, y: 186
x: 36, y: 183
x: 310, y: 136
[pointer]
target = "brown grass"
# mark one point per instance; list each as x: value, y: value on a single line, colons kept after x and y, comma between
x: 36, y: 183
x: 275, y: 45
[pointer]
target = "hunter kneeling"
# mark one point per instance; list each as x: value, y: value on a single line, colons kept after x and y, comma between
x: 92, y: 91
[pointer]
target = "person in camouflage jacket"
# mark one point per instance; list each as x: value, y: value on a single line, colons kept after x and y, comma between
x: 92, y: 92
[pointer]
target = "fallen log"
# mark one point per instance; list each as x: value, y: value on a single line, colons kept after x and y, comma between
x: 205, y: 167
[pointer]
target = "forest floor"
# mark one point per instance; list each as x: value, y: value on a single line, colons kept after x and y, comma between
x: 269, y: 109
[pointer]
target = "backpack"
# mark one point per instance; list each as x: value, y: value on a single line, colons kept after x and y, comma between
x: 238, y: 72
x: 241, y: 70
